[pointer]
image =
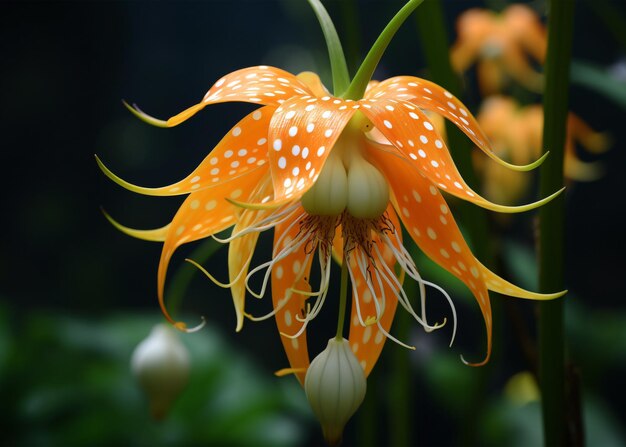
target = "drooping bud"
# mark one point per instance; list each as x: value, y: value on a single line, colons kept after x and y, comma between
x: 161, y: 364
x: 335, y: 386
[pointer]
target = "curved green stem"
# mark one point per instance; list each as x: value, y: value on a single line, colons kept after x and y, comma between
x: 366, y: 70
x: 338, y: 66
x: 343, y: 298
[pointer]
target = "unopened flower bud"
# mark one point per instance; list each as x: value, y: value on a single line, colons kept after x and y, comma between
x: 161, y: 364
x: 335, y: 386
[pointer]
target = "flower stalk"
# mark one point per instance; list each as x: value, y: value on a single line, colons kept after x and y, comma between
x: 338, y: 66
x: 551, y: 230
x: 366, y: 70
x: 343, y: 298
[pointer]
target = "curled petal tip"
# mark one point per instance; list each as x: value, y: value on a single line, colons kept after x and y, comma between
x: 529, y: 206
x: 183, y: 327
x: 123, y: 183
x: 552, y: 296
x: 144, y: 116
x: 155, y: 235
x: 520, y: 168
x: 482, y: 363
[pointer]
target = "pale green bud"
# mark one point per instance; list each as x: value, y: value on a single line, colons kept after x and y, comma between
x: 335, y: 386
x: 368, y: 192
x: 329, y: 195
x: 161, y: 364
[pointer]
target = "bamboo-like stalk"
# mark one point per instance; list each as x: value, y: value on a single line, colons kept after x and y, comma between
x: 552, y: 222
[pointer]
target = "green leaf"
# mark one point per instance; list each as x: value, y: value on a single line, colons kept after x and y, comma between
x: 70, y: 384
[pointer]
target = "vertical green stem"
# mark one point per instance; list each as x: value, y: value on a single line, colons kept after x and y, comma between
x: 552, y: 222
x: 338, y: 67
x: 343, y: 295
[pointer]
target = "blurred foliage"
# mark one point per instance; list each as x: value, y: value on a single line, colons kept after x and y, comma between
x: 67, y: 381
x: 610, y: 84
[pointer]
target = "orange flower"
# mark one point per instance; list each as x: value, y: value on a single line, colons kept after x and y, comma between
x: 307, y: 165
x: 501, y: 44
x: 516, y: 135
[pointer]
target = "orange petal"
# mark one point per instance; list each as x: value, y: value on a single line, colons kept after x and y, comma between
x: 430, y: 96
x: 258, y: 85
x: 367, y: 342
x: 240, y: 151
x: 414, y: 135
x: 314, y: 83
x: 240, y: 252
x: 428, y: 220
x: 292, y: 272
x: 203, y: 214
x: 500, y: 285
x: 302, y: 133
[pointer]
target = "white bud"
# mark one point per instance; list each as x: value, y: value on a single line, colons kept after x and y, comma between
x: 335, y: 386
x: 161, y: 364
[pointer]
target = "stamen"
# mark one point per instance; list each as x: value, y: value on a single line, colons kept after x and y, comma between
x: 183, y: 327
x: 273, y: 312
x: 355, y: 294
x: 264, y: 224
x: 403, y: 299
x: 435, y: 286
x: 215, y: 281
x: 269, y: 265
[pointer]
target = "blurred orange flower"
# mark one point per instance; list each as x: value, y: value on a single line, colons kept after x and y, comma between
x: 516, y: 135
x: 502, y: 45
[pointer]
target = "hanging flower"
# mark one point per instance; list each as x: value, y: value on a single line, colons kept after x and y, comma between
x: 501, y: 44
x: 516, y: 135
x: 307, y: 164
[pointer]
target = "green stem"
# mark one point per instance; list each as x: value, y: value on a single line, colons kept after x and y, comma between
x: 552, y: 222
x: 343, y: 295
x: 366, y: 70
x: 338, y: 67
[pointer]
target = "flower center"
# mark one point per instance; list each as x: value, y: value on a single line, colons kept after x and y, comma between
x: 348, y: 181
